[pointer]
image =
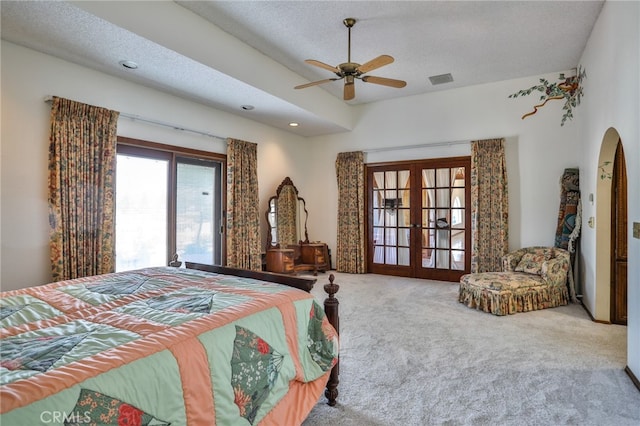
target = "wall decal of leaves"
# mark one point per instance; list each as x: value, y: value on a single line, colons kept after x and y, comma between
x: 605, y: 170
x: 568, y: 88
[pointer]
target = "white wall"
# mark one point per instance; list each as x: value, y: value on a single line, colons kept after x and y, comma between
x: 28, y: 76
x: 612, y: 98
x: 538, y: 149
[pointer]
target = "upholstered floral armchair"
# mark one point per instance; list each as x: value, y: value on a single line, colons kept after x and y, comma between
x: 532, y: 278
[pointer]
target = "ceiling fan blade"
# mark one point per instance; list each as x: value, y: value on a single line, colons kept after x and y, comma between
x: 349, y: 91
x: 373, y: 64
x: 384, y: 81
x: 302, y: 86
x: 322, y: 65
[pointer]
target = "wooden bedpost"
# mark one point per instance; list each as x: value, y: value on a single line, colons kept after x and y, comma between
x: 331, y: 309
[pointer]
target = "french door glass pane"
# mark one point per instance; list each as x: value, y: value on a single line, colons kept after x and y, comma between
x: 391, y: 218
x: 458, y: 260
x: 442, y: 197
x: 403, y: 199
x: 457, y: 177
x: 457, y: 240
x: 442, y: 259
x: 377, y: 199
x: 428, y: 178
x: 428, y: 238
x: 390, y: 256
x: 428, y: 258
x: 378, y: 217
x: 141, y: 212
x: 404, y: 217
x: 391, y: 180
x: 195, y: 220
x: 404, y: 256
x: 377, y: 235
x: 390, y: 237
x: 442, y: 240
x: 442, y: 177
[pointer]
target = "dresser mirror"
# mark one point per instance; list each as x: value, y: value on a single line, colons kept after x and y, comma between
x: 288, y: 248
x: 286, y: 217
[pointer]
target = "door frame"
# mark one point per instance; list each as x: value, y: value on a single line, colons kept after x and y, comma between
x: 598, y: 304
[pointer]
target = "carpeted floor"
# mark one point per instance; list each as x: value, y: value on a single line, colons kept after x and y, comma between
x: 412, y: 355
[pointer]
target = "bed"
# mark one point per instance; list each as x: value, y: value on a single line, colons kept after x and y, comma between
x: 199, y: 345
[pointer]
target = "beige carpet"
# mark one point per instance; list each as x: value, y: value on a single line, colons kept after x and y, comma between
x: 412, y: 355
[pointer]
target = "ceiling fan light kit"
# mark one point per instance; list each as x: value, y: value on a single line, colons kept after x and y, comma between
x: 350, y: 71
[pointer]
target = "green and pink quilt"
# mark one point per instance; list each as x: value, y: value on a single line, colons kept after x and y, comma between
x: 162, y: 346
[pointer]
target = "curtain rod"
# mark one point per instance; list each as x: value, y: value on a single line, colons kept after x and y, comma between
x: 424, y: 145
x: 49, y: 99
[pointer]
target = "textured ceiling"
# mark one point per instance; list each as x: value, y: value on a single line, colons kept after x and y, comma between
x: 228, y: 54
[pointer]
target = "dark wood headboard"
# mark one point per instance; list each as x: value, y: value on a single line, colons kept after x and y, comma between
x: 305, y: 284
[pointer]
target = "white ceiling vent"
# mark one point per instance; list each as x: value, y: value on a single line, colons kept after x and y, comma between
x: 441, y: 79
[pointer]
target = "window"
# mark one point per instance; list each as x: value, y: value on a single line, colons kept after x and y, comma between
x: 168, y: 200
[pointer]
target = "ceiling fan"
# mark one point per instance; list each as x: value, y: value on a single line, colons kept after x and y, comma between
x: 349, y: 71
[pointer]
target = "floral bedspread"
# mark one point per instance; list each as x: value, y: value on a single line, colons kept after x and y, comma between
x: 162, y: 346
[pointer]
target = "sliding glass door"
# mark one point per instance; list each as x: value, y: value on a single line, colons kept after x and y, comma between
x: 167, y: 203
x: 198, y: 212
x: 142, y: 205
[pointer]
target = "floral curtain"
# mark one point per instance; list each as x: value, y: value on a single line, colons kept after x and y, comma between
x: 489, y: 205
x: 351, y: 253
x: 82, y: 159
x: 243, y: 217
x: 287, y: 215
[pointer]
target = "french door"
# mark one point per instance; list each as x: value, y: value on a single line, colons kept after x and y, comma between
x: 419, y: 218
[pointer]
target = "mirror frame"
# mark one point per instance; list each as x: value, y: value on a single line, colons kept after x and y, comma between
x: 285, y: 182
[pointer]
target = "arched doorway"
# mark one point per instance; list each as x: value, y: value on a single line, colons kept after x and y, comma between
x: 611, y: 231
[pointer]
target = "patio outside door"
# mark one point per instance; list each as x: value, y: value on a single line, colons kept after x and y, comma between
x: 419, y: 221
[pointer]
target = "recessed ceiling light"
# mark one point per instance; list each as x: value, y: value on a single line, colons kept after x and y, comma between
x: 294, y: 124
x: 129, y: 65
x: 247, y: 107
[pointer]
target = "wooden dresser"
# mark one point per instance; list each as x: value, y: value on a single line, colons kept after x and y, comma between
x: 311, y: 257
x: 280, y: 261
x: 316, y: 254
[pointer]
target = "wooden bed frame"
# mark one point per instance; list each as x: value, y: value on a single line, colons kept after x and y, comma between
x: 306, y: 284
